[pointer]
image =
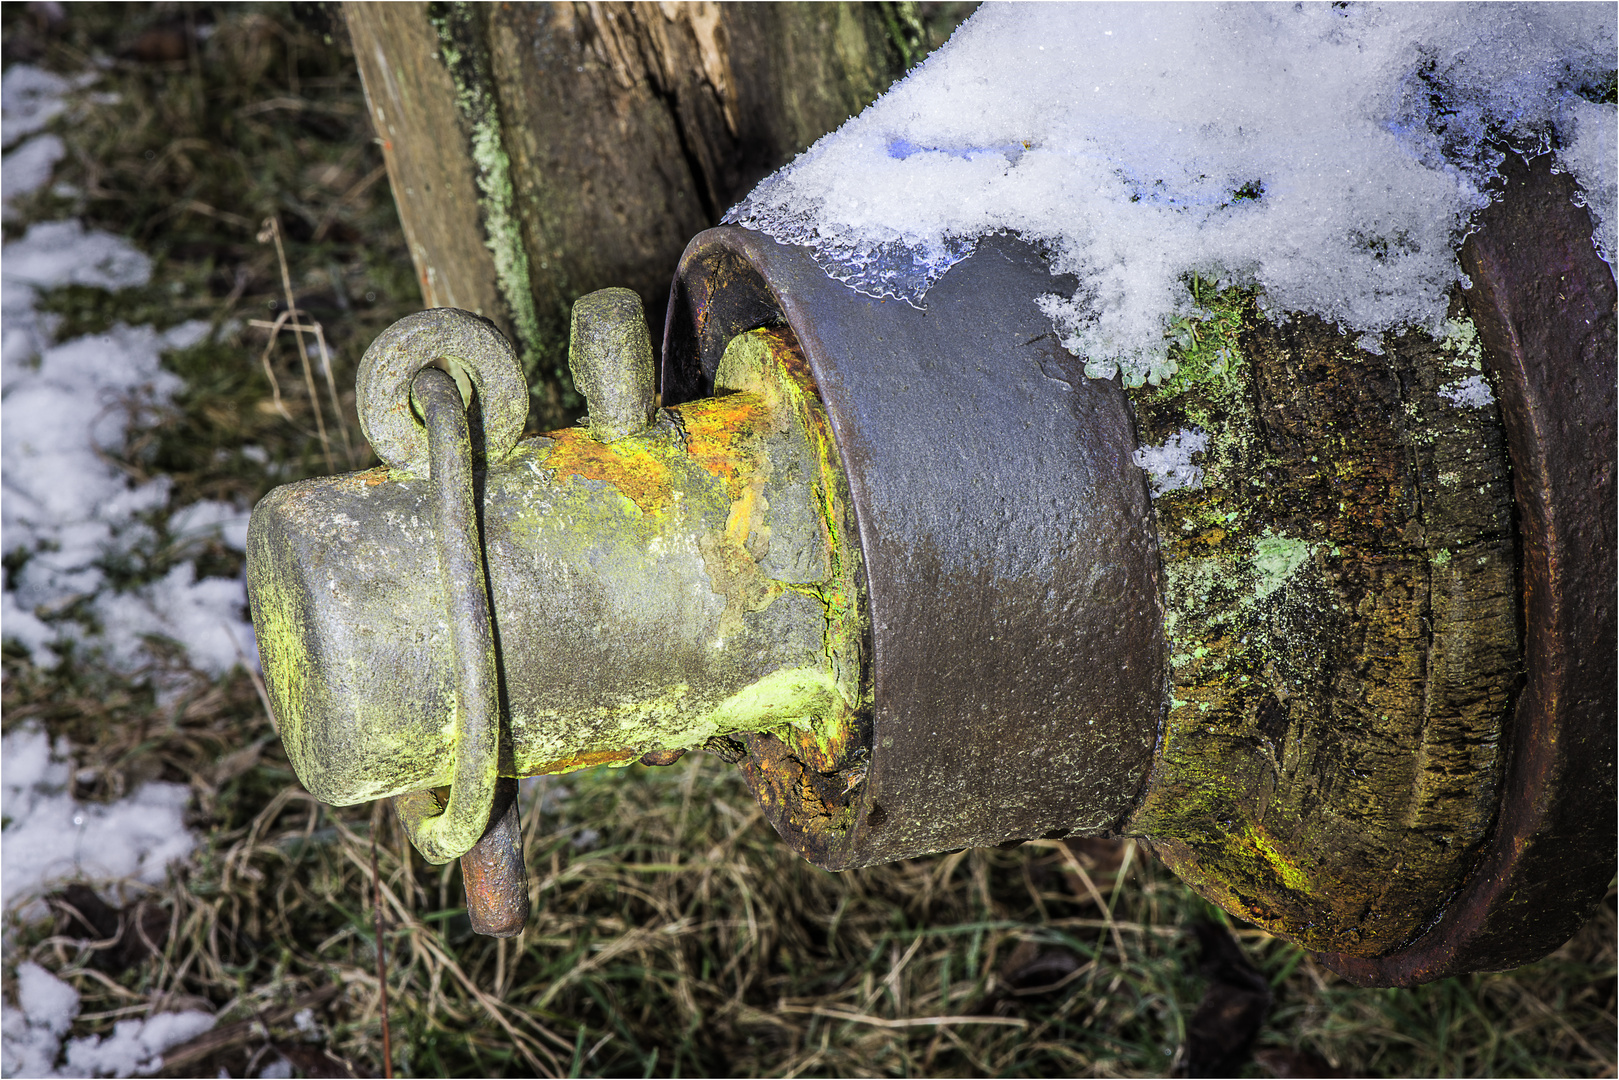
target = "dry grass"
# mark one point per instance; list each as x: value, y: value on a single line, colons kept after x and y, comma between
x: 673, y: 932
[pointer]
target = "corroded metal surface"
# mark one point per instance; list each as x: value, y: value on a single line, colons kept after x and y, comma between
x: 1017, y: 651
x: 446, y: 835
x: 1545, y: 306
x: 493, y: 873
x: 473, y: 352
x: 610, y: 356
x: 898, y: 565
x: 647, y: 594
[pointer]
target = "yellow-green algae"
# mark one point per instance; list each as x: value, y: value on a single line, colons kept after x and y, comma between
x: 1303, y: 762
x: 364, y: 723
x: 459, y: 27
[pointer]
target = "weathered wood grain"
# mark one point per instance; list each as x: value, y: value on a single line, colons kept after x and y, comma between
x: 539, y: 152
x: 1342, y: 606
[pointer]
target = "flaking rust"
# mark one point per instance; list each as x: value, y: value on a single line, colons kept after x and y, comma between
x: 805, y: 776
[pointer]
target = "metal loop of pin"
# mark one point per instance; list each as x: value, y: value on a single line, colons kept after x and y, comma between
x: 478, y: 821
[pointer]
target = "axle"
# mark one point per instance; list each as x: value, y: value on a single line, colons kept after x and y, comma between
x: 900, y: 567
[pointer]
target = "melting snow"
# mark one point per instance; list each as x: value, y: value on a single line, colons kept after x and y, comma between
x: 30, y: 98
x: 69, y: 511
x: 1331, y: 155
x: 1169, y: 467
x: 47, y: 1006
x: 50, y: 836
x: 66, y: 505
x: 26, y: 169
x: 1472, y: 392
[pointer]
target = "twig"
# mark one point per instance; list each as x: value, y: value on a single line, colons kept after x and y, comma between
x: 331, y: 388
x: 197, y: 206
x: 382, y: 961
x: 354, y: 192
x: 269, y: 372
x: 313, y: 327
x: 1109, y: 926
x: 232, y: 1035
x: 906, y: 1022
x: 272, y: 231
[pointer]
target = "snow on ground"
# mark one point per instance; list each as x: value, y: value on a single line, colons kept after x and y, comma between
x: 31, y: 1035
x: 30, y: 98
x: 1331, y: 155
x: 72, y: 510
x: 50, y: 836
x: 64, y: 405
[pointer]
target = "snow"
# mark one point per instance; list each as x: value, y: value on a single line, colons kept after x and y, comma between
x: 31, y: 1034
x: 211, y: 518
x: 69, y: 513
x: 136, y: 1046
x: 279, y: 1069
x: 28, y: 168
x: 65, y: 407
x: 63, y: 253
x: 1472, y: 393
x: 180, y: 608
x: 51, y: 836
x: 1330, y: 155
x: 1169, y: 467
x: 1590, y: 160
x: 31, y: 97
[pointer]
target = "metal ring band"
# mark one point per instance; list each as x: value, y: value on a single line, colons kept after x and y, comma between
x: 468, y: 346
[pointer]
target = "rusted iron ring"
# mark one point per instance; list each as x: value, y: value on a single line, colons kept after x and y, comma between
x: 446, y: 835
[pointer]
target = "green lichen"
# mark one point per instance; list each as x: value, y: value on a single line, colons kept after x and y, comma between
x: 1290, y: 875
x: 1461, y: 341
x: 461, y: 44
x: 1303, y: 582
x: 801, y: 697
x: 748, y: 362
x: 1203, y: 347
x: 1276, y: 557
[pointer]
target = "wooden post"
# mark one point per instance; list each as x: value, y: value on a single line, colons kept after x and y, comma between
x: 539, y: 152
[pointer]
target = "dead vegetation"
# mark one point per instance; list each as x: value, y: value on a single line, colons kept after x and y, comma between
x: 673, y: 932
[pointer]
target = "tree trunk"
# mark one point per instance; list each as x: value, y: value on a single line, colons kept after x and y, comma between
x: 539, y: 152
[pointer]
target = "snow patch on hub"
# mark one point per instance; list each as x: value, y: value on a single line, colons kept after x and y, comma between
x: 1332, y: 156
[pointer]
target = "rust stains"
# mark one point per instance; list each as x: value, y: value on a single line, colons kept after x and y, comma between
x: 814, y: 811
x: 790, y: 358
x: 369, y: 478
x: 588, y: 759
x: 722, y: 436
x: 629, y: 466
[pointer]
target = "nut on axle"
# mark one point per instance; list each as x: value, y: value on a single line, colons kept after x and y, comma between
x: 633, y: 588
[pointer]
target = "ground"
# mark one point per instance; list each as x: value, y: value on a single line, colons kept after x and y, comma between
x: 673, y: 932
